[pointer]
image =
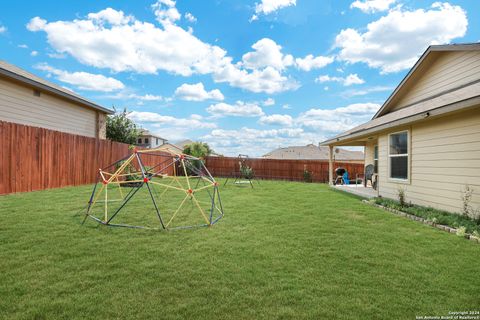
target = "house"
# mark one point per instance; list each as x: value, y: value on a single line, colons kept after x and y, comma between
x: 183, y: 143
x: 173, y: 147
x: 425, y: 139
x: 147, y: 139
x: 33, y: 101
x: 313, y: 152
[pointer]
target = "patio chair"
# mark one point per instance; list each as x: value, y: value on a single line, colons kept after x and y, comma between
x: 367, y: 175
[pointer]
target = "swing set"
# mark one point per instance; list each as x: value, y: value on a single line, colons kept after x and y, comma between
x: 130, y: 194
x: 245, y: 173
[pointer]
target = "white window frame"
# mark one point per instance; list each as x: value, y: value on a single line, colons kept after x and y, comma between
x: 399, y: 180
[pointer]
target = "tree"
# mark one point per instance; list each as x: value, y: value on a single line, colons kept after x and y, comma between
x: 198, y: 149
x: 121, y: 129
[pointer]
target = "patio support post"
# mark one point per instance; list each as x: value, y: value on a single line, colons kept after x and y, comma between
x: 330, y: 164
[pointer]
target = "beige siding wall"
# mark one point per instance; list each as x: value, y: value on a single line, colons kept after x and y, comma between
x: 369, y: 152
x: 19, y: 105
x: 450, y: 70
x: 444, y: 158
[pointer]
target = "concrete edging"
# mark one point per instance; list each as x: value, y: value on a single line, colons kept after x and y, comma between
x: 422, y: 220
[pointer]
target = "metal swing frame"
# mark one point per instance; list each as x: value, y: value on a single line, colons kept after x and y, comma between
x: 242, y: 162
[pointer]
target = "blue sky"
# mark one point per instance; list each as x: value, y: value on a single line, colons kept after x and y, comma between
x: 244, y: 76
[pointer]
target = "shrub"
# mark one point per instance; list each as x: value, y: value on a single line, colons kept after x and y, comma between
x: 401, y: 196
x: 434, y: 215
x: 461, y: 231
x: 307, y: 175
x: 246, y: 171
x: 466, y: 198
x: 129, y: 170
x: 476, y: 234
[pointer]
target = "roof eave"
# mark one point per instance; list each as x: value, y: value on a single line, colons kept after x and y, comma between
x: 404, y: 80
x: 431, y: 48
x: 457, y: 106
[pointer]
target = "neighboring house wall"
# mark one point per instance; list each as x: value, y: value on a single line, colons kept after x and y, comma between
x: 18, y: 104
x: 450, y: 70
x: 444, y: 158
x: 153, y: 142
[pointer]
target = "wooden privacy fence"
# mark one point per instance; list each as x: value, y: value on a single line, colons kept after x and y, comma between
x: 280, y: 169
x: 34, y: 158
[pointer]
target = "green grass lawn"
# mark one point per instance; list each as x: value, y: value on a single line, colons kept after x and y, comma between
x: 283, y: 250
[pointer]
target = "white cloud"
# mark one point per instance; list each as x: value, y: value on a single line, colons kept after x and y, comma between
x: 84, y: 80
x: 36, y: 24
x: 346, y: 81
x: 124, y: 95
x: 268, y: 102
x: 111, y: 16
x: 365, y: 91
x: 268, y: 80
x: 256, y: 142
x: 132, y: 45
x: 240, y: 109
x: 269, y: 6
x: 169, y: 121
x: 277, y: 119
x: 339, y: 119
x: 135, y: 46
x: 166, y: 12
x: 23, y: 46
x: 197, y: 92
x: 395, y: 41
x: 146, y: 97
x: 2, y: 29
x: 310, y: 62
x: 56, y: 55
x: 34, y: 53
x: 371, y: 6
x: 312, y: 126
x: 190, y: 17
x: 267, y: 54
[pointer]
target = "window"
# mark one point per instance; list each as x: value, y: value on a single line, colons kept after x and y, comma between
x: 139, y: 140
x: 146, y: 140
x: 157, y: 141
x: 375, y: 159
x: 398, y: 155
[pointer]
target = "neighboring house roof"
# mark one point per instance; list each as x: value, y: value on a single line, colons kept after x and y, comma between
x: 145, y: 132
x: 183, y: 143
x: 173, y: 147
x: 312, y: 152
x: 461, y: 97
x: 13, y: 72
